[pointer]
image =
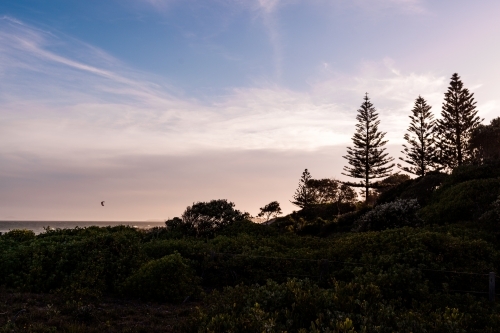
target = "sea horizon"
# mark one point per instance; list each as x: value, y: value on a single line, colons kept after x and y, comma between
x: 38, y: 226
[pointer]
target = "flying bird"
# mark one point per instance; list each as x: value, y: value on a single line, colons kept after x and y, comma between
x: 102, y: 203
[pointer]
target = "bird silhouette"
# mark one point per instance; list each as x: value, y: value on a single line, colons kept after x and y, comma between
x: 102, y: 203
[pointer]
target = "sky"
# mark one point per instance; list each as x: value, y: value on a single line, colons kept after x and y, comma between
x: 152, y: 105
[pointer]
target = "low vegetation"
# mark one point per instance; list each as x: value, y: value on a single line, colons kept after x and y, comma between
x: 392, y: 267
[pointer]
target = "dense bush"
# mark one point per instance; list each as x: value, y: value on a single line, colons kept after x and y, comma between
x: 466, y: 201
x: 166, y: 279
x: 301, y: 306
x: 490, y: 220
x: 469, y: 172
x: 403, y: 270
x: 327, y: 211
x: 19, y: 235
x: 421, y: 188
x: 344, y: 222
x: 80, y: 261
x: 396, y: 214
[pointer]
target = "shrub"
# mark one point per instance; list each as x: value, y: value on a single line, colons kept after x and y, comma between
x: 421, y: 188
x: 250, y: 228
x: 168, y: 279
x: 400, y: 213
x: 19, y: 235
x: 300, y: 306
x: 345, y: 222
x: 469, y: 172
x: 490, y: 220
x: 293, y: 306
x: 327, y: 211
x: 466, y: 201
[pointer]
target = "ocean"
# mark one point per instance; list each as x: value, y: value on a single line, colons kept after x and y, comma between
x: 38, y: 226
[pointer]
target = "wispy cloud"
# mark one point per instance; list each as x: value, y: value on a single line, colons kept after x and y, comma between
x: 53, y: 103
x: 380, y: 7
x: 266, y: 10
x: 268, y: 6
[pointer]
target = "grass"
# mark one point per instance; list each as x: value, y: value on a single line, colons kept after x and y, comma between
x: 28, y: 312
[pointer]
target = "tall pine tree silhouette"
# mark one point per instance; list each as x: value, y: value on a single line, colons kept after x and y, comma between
x: 367, y: 159
x: 304, y: 195
x: 459, y: 119
x: 420, y: 153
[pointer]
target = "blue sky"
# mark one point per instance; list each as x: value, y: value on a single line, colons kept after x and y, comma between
x: 152, y: 105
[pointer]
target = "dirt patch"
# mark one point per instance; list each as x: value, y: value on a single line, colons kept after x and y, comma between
x: 27, y: 312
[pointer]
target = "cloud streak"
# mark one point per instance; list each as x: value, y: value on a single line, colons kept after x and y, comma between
x: 118, y: 110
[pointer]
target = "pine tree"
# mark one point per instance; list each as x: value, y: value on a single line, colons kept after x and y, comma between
x: 368, y: 159
x: 459, y: 119
x: 304, y: 196
x: 421, y: 153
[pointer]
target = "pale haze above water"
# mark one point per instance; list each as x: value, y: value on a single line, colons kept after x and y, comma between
x: 39, y: 227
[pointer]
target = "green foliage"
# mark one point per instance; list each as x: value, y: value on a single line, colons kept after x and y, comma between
x: 328, y: 191
x: 301, y: 306
x: 19, y: 235
x: 206, y: 218
x: 484, y: 142
x: 293, y: 306
x: 328, y: 211
x: 471, y: 172
x: 390, y: 182
x: 249, y: 228
x: 396, y: 214
x: 78, y: 262
x: 466, y: 201
x: 421, y: 188
x: 384, y: 185
x: 490, y: 220
x: 392, y: 280
x: 168, y: 279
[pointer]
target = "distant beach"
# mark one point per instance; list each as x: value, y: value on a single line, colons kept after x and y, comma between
x: 38, y: 226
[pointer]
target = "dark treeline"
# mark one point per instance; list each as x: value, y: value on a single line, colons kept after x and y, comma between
x: 432, y: 145
x: 413, y: 256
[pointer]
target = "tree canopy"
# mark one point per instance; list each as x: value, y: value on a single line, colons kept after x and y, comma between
x: 204, y: 218
x: 272, y: 209
x: 484, y: 142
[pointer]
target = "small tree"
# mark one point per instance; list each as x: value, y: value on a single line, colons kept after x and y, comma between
x: 205, y: 218
x: 272, y: 209
x: 367, y: 159
x: 304, y: 195
x: 328, y: 191
x: 459, y: 119
x: 345, y: 194
x: 324, y: 190
x: 421, y: 153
